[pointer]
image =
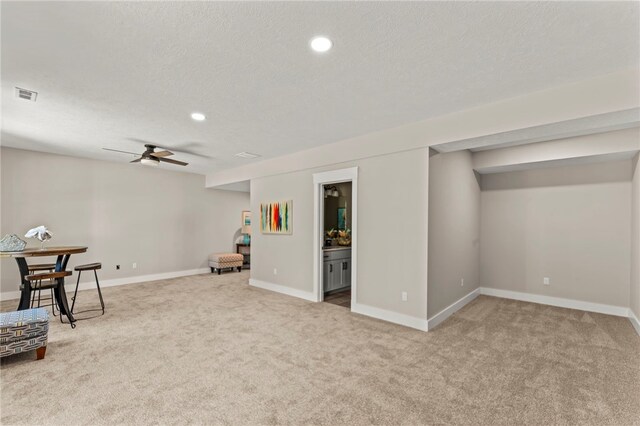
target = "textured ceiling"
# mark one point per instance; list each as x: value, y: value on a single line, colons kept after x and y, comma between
x: 115, y: 74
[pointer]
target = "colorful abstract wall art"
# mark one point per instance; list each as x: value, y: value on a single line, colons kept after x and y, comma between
x: 275, y: 218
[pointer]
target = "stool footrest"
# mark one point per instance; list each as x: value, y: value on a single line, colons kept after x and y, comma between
x: 42, y: 267
x: 48, y: 275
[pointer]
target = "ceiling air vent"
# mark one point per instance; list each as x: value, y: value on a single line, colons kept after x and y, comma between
x: 247, y: 155
x: 28, y: 95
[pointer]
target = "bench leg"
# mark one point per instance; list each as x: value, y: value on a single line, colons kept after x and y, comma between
x: 40, y: 352
x: 219, y: 271
x: 239, y: 268
x: 213, y: 269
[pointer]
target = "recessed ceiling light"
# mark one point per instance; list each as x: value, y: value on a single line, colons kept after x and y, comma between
x: 321, y: 44
x: 198, y: 116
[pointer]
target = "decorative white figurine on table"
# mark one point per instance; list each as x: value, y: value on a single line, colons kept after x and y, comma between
x: 41, y: 233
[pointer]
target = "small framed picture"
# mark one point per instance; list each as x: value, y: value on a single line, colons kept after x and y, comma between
x: 246, y: 218
x: 342, y: 218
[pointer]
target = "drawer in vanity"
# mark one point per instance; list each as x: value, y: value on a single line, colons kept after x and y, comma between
x: 335, y: 254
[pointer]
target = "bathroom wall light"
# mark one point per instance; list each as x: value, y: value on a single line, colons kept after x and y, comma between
x: 331, y: 191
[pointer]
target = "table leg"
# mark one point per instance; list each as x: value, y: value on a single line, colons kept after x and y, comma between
x: 61, y: 295
x: 25, y: 288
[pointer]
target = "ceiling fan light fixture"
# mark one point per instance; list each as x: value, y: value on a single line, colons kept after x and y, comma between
x: 148, y: 161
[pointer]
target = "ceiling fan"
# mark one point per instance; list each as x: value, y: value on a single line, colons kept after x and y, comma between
x: 151, y: 157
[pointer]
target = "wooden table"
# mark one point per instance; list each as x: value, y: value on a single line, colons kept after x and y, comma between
x: 245, y: 251
x: 63, y: 254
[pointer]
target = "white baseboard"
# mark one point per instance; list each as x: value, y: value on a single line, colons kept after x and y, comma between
x: 301, y: 294
x: 390, y: 316
x: 452, y: 309
x: 634, y: 321
x: 560, y: 302
x: 70, y: 283
x: 369, y: 311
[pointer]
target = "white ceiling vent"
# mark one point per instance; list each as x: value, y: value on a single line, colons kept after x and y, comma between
x: 247, y: 155
x: 28, y: 95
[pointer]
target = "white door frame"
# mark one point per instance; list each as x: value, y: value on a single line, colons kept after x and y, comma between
x: 325, y: 178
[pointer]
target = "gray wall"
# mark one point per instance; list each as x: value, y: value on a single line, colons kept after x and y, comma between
x: 164, y: 221
x: 454, y: 229
x: 392, y: 226
x: 635, y: 238
x: 571, y: 224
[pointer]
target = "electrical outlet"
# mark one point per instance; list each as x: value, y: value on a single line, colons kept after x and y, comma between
x: 461, y: 282
x: 117, y: 266
x: 275, y: 271
x: 135, y: 265
x: 546, y: 281
x: 404, y: 296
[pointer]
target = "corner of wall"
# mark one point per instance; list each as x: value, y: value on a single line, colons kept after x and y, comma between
x: 453, y: 232
x: 635, y: 322
x: 634, y: 293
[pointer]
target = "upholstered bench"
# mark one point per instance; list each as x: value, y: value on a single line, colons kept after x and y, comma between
x: 220, y: 261
x: 23, y: 331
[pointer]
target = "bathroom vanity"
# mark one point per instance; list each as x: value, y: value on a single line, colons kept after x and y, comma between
x: 336, y: 268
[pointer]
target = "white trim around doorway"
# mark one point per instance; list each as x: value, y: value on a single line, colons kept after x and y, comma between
x: 324, y: 178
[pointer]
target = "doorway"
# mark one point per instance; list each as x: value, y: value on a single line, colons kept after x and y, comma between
x: 335, y: 236
x: 336, y: 244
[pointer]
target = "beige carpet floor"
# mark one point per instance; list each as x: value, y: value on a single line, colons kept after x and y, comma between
x: 210, y: 349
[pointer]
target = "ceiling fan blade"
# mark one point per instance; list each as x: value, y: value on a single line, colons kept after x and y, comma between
x: 136, y: 160
x: 167, y: 160
x: 117, y: 150
x: 182, y: 149
x: 164, y: 153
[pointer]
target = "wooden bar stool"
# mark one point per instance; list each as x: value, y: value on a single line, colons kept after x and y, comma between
x: 38, y: 286
x: 88, y: 267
